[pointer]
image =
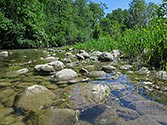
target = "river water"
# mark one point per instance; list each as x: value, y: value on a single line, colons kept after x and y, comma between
x: 130, y: 105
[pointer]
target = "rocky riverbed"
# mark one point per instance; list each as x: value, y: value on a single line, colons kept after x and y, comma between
x: 73, y: 87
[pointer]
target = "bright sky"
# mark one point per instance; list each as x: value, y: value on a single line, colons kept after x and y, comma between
x: 124, y: 4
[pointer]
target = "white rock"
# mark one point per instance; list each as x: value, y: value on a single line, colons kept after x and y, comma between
x: 4, y: 54
x: 65, y: 75
x: 22, y: 71
x: 58, y: 65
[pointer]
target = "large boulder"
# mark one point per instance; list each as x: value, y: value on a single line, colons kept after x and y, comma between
x: 161, y: 75
x: 85, y: 94
x: 64, y: 75
x: 34, y: 98
x: 58, y: 117
x: 44, y: 69
x: 4, y: 54
x: 106, y: 56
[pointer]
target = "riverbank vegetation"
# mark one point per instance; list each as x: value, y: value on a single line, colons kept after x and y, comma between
x: 139, y: 31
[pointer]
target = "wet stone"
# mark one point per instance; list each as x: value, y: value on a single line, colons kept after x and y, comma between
x: 96, y: 74
x: 35, y: 97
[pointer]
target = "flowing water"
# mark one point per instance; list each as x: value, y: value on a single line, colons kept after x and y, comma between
x: 129, y: 105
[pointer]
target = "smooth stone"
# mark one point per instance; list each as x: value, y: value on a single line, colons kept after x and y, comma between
x: 161, y: 75
x: 96, y: 53
x: 96, y: 74
x: 80, y: 57
x: 109, y: 69
x: 4, y: 54
x: 58, y: 65
x: 85, y: 94
x: 64, y: 75
x: 69, y: 55
x: 126, y: 67
x: 116, y: 54
x: 106, y: 56
x: 84, y: 54
x: 34, y: 97
x: 143, y: 71
x: 44, y: 69
x: 5, y: 111
x: 51, y: 59
x: 67, y: 60
x: 83, y: 71
x: 58, y: 117
x: 22, y: 71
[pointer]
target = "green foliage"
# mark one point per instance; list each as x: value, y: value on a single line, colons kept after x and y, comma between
x: 102, y: 44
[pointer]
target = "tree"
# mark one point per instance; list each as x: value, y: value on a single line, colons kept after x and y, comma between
x: 137, y: 13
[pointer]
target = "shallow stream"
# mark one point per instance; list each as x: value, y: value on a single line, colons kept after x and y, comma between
x: 130, y: 104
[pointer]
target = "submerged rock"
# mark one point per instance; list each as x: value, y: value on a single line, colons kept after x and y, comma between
x: 64, y: 75
x: 87, y: 94
x: 4, y: 54
x: 59, y: 117
x: 96, y: 74
x: 22, y: 71
x: 161, y: 75
x: 34, y: 98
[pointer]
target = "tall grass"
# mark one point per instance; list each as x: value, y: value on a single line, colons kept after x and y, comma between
x: 102, y: 44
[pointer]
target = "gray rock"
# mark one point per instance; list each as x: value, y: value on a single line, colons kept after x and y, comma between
x: 96, y: 53
x: 126, y: 67
x: 143, y: 71
x: 51, y: 59
x: 83, y: 71
x: 96, y: 74
x: 58, y: 65
x: 22, y: 71
x: 69, y: 55
x: 64, y: 75
x: 4, y: 54
x: 35, y: 97
x: 51, y: 50
x: 44, y: 69
x: 86, y: 94
x: 90, y: 67
x: 67, y: 60
x: 80, y: 57
x: 161, y: 75
x: 105, y: 56
x: 116, y: 54
x: 84, y: 54
x: 59, y: 117
x: 109, y: 69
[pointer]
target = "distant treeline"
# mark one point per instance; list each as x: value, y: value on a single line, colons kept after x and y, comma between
x: 47, y: 23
